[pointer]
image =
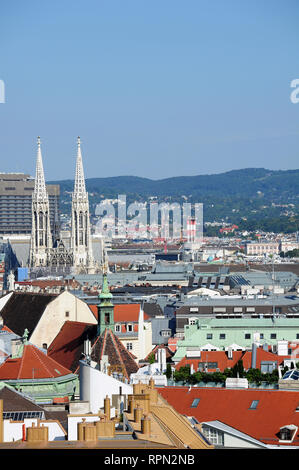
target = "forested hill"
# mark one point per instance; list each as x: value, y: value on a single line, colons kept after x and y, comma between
x: 253, y: 192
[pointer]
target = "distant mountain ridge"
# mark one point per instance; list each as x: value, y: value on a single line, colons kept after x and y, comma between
x: 237, y: 196
x: 245, y: 183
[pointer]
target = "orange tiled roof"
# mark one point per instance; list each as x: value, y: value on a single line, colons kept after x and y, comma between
x: 212, y: 356
x: 275, y: 409
x: 223, y: 362
x: 5, y: 328
x: 123, y: 312
x: 67, y: 347
x: 33, y: 364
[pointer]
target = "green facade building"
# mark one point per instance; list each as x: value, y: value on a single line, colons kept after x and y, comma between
x: 221, y: 333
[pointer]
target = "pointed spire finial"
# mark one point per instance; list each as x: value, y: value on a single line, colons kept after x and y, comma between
x: 40, y: 190
x: 79, y: 189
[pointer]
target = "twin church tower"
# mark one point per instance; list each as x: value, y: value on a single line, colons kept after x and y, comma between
x: 48, y: 249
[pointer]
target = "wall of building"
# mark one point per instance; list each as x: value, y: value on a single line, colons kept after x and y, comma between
x: 236, y: 442
x: 13, y: 430
x: 73, y: 420
x: 95, y: 385
x: 55, y: 315
x: 260, y: 330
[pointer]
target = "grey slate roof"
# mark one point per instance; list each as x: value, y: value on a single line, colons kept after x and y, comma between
x: 24, y: 310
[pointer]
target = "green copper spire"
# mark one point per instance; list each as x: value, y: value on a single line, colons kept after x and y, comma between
x: 105, y: 308
x: 105, y: 295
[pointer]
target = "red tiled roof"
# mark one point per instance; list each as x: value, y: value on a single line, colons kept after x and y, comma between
x: 67, y: 347
x: 108, y: 344
x: 33, y: 364
x: 223, y: 362
x: 169, y: 353
x: 123, y: 312
x: 261, y: 355
x: 275, y: 409
x: 5, y: 328
x: 212, y: 356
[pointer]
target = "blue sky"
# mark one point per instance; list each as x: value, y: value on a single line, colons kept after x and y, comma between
x: 154, y: 88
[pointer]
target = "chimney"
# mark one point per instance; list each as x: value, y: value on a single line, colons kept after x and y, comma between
x: 253, y: 356
x: 107, y: 406
x: 1, y: 422
x: 145, y: 425
x: 137, y: 415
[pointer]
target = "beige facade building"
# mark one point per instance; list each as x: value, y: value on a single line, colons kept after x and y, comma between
x: 262, y: 248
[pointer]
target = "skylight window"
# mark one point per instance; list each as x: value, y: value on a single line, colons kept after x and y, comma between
x: 195, y: 402
x: 254, y: 404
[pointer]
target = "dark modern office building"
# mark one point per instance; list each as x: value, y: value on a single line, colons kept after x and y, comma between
x: 16, y: 199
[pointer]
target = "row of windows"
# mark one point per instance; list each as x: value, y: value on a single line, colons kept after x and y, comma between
x: 129, y: 328
x: 247, y: 336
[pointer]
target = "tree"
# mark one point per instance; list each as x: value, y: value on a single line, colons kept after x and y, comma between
x: 168, y: 372
x: 238, y: 369
x: 254, y: 375
x: 151, y: 358
x: 182, y: 375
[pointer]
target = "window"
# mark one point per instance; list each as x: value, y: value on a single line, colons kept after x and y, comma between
x: 250, y: 309
x: 267, y: 367
x: 117, y: 328
x: 67, y: 314
x: 254, y: 404
x: 247, y: 335
x: 213, y: 435
x: 21, y: 415
x: 129, y: 346
x: 207, y: 365
x: 219, y: 310
x: 195, y: 402
x: 273, y: 336
x: 209, y: 336
x: 222, y: 336
x: 165, y: 333
x: 261, y: 335
x: 297, y: 336
x: 287, y: 433
x: 129, y: 327
x: 192, y: 321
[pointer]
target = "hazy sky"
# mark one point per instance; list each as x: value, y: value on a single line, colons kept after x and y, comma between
x: 154, y: 88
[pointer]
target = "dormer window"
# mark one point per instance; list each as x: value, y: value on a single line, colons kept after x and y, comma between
x: 129, y: 327
x: 287, y: 433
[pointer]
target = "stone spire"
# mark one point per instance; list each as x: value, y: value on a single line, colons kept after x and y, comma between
x: 81, y: 235
x: 41, y: 238
x: 79, y: 189
x: 40, y: 191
